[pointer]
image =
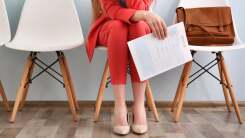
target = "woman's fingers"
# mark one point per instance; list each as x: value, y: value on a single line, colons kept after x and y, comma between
x: 158, y: 32
x: 164, y: 28
x: 162, y: 33
x: 157, y: 25
x: 153, y: 29
x: 160, y: 29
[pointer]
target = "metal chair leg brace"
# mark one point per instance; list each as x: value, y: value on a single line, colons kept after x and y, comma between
x: 206, y: 69
x: 45, y: 68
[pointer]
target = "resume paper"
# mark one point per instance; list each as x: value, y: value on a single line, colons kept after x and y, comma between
x: 153, y: 56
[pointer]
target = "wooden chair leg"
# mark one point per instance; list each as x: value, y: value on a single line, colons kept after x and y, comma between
x: 71, y: 84
x: 225, y: 91
x: 4, y: 97
x: 23, y: 100
x: 231, y: 89
x: 148, y: 102
x: 151, y: 101
x: 101, y: 91
x: 186, y: 71
x: 177, y: 94
x: 67, y: 86
x: 20, y: 91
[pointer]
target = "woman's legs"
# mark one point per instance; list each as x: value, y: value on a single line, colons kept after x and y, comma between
x: 137, y: 30
x: 114, y: 35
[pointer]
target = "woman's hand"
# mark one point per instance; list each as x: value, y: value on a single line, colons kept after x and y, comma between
x: 156, y: 23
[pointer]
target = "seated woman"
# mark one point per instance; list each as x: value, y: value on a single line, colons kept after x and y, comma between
x: 120, y: 21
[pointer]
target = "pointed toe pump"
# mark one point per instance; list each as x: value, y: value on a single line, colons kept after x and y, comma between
x: 121, y: 129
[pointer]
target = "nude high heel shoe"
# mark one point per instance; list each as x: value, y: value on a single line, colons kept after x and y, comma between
x: 121, y: 129
x: 139, y: 129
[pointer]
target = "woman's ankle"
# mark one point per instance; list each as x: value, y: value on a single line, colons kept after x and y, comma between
x: 120, y: 114
x: 139, y: 115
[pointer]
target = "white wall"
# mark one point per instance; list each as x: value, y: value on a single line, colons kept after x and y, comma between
x: 87, y: 76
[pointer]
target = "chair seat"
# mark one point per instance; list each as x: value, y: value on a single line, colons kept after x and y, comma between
x: 102, y: 48
x: 202, y: 48
x: 5, y: 36
x: 216, y: 48
x: 45, y: 45
x: 202, y: 3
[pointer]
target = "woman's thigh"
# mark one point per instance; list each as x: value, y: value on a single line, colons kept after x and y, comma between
x: 112, y: 30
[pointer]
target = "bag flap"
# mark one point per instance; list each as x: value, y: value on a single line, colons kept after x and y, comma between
x: 218, y: 16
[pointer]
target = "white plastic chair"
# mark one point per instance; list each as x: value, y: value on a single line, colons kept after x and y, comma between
x: 104, y: 84
x: 223, y: 78
x: 46, y: 26
x: 5, y: 36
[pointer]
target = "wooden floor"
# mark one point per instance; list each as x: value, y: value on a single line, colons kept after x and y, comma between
x: 41, y: 122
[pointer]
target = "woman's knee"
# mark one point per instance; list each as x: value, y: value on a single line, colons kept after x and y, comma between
x: 118, y: 26
x: 138, y: 29
x: 118, y: 34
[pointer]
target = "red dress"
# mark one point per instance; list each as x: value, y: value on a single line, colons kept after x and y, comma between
x: 115, y: 25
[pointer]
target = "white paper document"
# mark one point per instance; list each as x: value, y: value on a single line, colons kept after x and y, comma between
x: 153, y: 56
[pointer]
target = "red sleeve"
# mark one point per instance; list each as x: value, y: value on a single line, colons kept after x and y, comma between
x: 113, y: 10
x: 139, y: 4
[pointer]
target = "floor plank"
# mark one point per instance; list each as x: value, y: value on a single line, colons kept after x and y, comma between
x: 52, y: 122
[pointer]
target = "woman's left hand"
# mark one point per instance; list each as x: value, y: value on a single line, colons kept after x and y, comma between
x: 157, y: 25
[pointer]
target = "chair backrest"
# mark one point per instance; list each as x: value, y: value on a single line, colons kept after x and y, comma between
x: 5, y: 34
x: 49, y: 20
x: 210, y: 3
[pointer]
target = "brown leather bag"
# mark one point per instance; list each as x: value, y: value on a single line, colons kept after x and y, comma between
x: 207, y: 26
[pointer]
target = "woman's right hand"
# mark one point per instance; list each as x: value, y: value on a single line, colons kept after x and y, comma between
x: 155, y: 22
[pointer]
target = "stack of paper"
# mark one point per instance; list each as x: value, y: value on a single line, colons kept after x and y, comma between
x: 153, y: 56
